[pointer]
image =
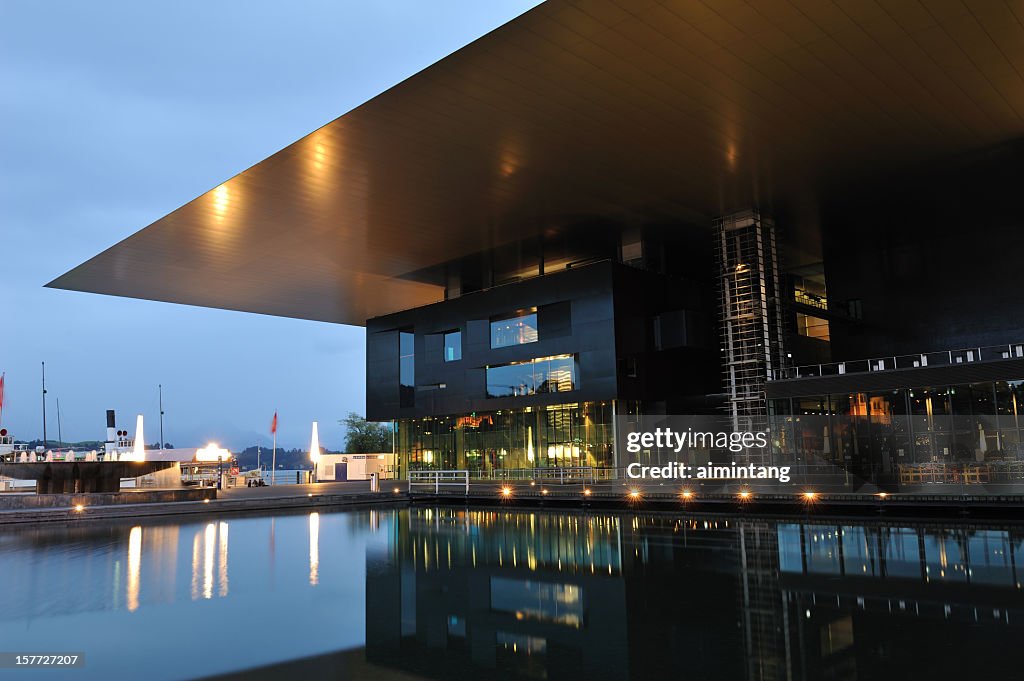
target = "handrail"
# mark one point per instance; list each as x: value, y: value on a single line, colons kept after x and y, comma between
x: 561, y: 474
x: 925, y: 359
x: 447, y: 478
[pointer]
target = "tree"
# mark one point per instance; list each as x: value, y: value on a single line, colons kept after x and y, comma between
x: 363, y: 437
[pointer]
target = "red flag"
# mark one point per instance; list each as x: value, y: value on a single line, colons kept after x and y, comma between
x: 273, y: 424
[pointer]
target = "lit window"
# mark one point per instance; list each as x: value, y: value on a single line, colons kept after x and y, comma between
x: 406, y: 369
x: 453, y: 346
x: 812, y: 327
x: 532, y: 377
x: 516, y: 329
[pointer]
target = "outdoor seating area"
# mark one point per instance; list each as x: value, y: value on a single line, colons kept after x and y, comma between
x: 961, y: 473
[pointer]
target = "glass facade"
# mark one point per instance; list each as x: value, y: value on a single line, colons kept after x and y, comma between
x: 453, y: 346
x: 406, y: 369
x: 969, y: 433
x: 536, y: 376
x: 563, y: 435
x: 517, y: 329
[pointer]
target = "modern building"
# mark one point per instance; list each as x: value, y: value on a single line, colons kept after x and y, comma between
x: 798, y: 214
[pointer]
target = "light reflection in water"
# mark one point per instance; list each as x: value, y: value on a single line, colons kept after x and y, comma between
x: 314, y: 548
x: 223, y: 560
x: 134, y: 565
x: 209, y: 542
x: 815, y: 593
x: 195, y: 566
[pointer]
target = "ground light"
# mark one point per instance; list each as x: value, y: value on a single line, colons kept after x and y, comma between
x: 586, y: 492
x: 810, y: 496
x: 745, y: 495
x: 79, y: 507
x: 543, y: 491
x: 686, y: 495
x: 882, y: 495
x: 634, y: 494
x: 396, y: 490
x: 506, y: 491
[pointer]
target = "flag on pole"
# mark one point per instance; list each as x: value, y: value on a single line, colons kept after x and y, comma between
x: 2, y: 377
x: 273, y: 424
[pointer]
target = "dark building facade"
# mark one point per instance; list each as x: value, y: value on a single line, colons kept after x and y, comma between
x: 532, y: 374
x: 600, y: 209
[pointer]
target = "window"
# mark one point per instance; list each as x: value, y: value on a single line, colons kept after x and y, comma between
x: 538, y: 601
x: 533, y: 377
x: 406, y: 369
x: 453, y: 346
x: 812, y: 327
x: 517, y: 329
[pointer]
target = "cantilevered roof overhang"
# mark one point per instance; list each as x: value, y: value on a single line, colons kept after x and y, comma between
x: 623, y: 110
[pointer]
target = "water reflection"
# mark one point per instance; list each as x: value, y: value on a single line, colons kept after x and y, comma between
x: 643, y: 597
x: 438, y: 593
x: 210, y: 554
x: 314, y: 549
x: 134, y: 566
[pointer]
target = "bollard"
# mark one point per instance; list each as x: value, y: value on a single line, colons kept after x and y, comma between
x: 374, y: 483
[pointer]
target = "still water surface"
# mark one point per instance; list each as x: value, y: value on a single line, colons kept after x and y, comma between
x: 439, y: 593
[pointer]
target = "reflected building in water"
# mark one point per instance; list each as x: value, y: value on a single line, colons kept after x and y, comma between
x: 495, y: 594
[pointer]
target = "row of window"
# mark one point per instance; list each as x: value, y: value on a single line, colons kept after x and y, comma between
x: 517, y: 379
x: 532, y: 377
x: 517, y: 328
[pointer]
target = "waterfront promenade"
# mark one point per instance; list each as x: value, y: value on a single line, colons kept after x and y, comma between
x: 234, y: 500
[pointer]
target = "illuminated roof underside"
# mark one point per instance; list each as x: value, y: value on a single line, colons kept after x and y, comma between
x: 625, y: 110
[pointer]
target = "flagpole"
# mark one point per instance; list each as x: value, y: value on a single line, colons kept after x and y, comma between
x: 273, y: 458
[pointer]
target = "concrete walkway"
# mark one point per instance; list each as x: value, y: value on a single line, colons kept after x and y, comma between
x: 285, y: 491
x: 240, y: 499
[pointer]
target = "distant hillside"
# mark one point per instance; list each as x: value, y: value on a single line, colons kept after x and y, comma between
x: 287, y: 459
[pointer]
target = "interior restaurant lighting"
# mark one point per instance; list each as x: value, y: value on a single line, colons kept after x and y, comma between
x: 212, y: 452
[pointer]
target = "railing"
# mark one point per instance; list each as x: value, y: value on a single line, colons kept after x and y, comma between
x: 438, y: 479
x: 924, y: 359
x: 810, y: 299
x: 562, y: 476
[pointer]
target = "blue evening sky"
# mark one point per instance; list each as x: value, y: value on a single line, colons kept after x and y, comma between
x: 113, y: 114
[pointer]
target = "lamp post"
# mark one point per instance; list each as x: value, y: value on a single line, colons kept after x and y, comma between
x: 160, y: 388
x: 44, y: 405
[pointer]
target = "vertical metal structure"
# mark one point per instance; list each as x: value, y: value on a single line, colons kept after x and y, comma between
x: 160, y: 389
x: 749, y: 313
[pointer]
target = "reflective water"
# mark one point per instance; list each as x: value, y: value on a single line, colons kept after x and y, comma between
x: 437, y: 593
